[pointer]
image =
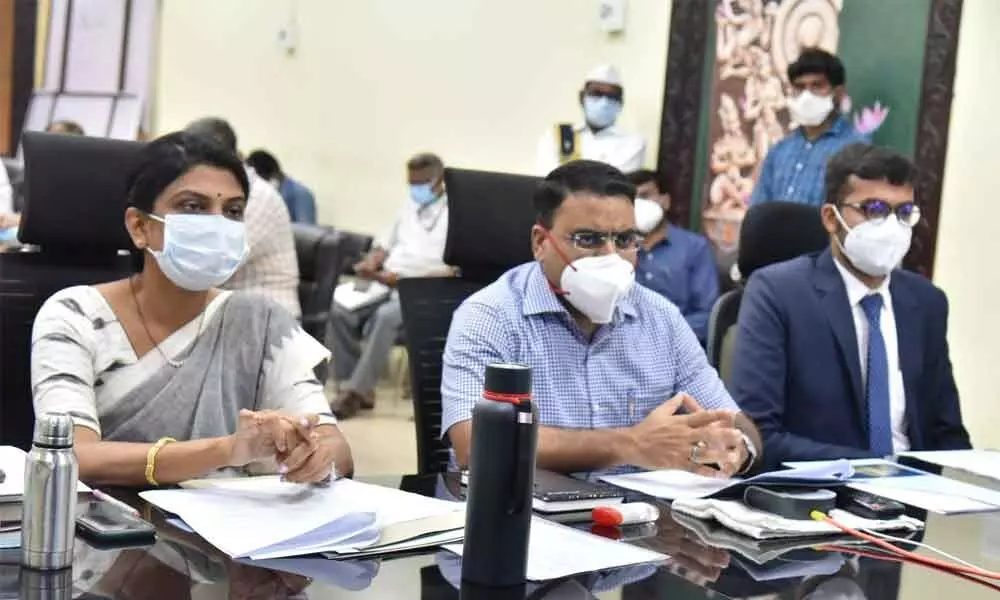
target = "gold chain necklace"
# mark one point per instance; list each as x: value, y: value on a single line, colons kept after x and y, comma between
x: 142, y: 319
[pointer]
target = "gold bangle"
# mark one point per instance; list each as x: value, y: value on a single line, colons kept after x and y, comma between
x: 151, y: 459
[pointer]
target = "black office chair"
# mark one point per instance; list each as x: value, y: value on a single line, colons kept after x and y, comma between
x: 74, y: 222
x: 771, y: 233
x: 352, y: 247
x: 318, y: 252
x: 427, y: 305
x: 489, y: 225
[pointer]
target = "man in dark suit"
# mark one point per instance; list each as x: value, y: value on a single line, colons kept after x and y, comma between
x: 841, y: 354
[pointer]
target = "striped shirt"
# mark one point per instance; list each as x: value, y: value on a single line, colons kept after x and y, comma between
x: 645, y: 356
x: 795, y: 168
x: 272, y: 269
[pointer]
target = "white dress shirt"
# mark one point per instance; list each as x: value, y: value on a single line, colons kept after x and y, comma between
x: 415, y: 244
x: 856, y: 291
x: 626, y: 151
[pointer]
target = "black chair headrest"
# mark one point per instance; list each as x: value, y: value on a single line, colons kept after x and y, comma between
x: 75, y: 191
x: 489, y: 220
x: 308, y: 238
x: 778, y: 231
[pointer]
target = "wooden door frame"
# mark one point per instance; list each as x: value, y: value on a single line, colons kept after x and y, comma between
x: 683, y: 104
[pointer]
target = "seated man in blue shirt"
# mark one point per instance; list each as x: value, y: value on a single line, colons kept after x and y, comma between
x: 612, y: 363
x: 674, y: 262
x: 842, y: 354
x: 300, y: 201
x: 793, y: 169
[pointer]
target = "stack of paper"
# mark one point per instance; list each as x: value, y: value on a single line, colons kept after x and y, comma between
x: 556, y: 551
x: 672, y: 484
x: 985, y: 463
x: 12, y: 464
x: 354, y: 295
x: 265, y: 518
x: 917, y: 488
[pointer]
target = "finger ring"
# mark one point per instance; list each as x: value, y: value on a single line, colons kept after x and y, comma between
x: 696, y: 450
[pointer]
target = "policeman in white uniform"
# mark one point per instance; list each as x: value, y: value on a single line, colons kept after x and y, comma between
x: 597, y: 138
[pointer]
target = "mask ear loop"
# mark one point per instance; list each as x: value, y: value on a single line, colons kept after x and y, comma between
x: 558, y: 291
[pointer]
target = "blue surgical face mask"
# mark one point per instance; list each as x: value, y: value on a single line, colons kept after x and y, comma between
x: 423, y: 193
x: 200, y: 251
x: 601, y: 111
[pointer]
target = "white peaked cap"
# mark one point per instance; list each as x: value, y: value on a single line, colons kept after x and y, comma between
x: 604, y: 74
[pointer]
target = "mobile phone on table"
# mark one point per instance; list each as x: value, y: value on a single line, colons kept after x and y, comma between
x: 106, y: 523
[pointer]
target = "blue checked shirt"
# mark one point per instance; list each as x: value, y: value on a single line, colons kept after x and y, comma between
x: 646, y: 355
x: 794, y: 169
x: 682, y: 269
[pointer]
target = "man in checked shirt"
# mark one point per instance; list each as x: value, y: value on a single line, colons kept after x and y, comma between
x: 617, y: 374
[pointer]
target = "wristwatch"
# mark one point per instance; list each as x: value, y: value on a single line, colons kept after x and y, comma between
x: 751, y: 451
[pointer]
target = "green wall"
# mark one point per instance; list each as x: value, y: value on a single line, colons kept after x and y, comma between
x: 882, y: 46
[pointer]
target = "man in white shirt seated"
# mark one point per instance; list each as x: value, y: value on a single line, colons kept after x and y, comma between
x: 414, y: 247
x: 601, y: 99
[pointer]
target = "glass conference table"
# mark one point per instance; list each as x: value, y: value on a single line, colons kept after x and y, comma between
x: 181, y: 566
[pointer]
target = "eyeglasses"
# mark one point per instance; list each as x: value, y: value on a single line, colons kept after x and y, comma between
x: 586, y: 239
x: 877, y: 211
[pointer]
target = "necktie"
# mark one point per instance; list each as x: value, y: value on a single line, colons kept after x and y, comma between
x: 877, y: 386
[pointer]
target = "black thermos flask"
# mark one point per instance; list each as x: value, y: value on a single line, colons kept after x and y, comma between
x: 501, y: 478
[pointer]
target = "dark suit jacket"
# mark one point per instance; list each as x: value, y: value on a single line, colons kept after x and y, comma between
x: 797, y: 372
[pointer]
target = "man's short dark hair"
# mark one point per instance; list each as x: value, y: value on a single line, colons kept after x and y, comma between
x: 264, y: 164
x: 588, y: 176
x: 642, y: 177
x: 426, y: 160
x: 816, y: 61
x: 868, y: 162
x: 215, y: 128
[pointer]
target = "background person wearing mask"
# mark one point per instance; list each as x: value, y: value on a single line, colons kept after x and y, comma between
x: 272, y: 268
x: 601, y: 99
x: 298, y: 198
x: 793, y: 170
x: 674, y: 262
x: 612, y: 363
x: 361, y: 339
x: 841, y: 354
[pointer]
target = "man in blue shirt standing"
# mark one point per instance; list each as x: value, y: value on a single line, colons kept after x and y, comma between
x: 300, y: 201
x: 612, y: 363
x: 794, y: 168
x: 676, y: 263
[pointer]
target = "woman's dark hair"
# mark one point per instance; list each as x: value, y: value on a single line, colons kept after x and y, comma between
x: 589, y: 176
x: 816, y: 61
x: 165, y: 159
x: 169, y: 157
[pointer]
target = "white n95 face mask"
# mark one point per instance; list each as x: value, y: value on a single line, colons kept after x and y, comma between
x: 810, y: 109
x: 200, y: 251
x: 648, y: 214
x: 876, y: 248
x: 595, y: 284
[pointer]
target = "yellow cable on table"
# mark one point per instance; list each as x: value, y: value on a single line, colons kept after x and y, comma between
x: 151, y: 459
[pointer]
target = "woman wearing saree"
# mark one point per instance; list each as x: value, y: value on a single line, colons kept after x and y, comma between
x: 166, y: 377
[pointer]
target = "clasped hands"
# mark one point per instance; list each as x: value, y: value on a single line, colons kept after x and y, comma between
x: 303, y: 449
x: 370, y: 270
x: 705, y: 442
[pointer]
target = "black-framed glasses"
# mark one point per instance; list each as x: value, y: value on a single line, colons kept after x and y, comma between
x: 877, y: 211
x: 590, y: 240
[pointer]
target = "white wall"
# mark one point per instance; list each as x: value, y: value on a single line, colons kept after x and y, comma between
x: 967, y: 265
x: 375, y: 81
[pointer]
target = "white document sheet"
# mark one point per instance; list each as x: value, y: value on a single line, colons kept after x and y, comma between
x: 556, y: 551
x: 672, y: 483
x: 265, y: 518
x: 353, y: 295
x: 985, y: 463
x: 12, y: 464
